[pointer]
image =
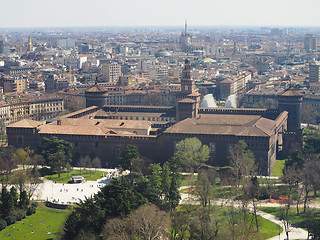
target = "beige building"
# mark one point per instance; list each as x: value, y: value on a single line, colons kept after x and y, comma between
x: 46, y: 107
x: 111, y: 72
x: 14, y: 85
x: 5, y: 113
x: 158, y: 71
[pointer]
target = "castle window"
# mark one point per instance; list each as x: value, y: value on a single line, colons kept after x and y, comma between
x: 212, y: 147
x: 118, y: 152
x: 20, y: 140
x: 230, y: 147
x: 76, y: 144
x: 96, y: 144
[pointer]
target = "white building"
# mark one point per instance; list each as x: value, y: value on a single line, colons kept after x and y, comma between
x: 111, y: 72
x: 66, y: 43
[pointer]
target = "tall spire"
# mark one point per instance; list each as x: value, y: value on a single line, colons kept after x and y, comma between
x: 185, y: 27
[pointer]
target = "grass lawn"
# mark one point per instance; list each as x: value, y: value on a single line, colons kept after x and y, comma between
x: 43, y: 221
x: 297, y: 220
x: 268, y: 181
x: 267, y: 229
x: 90, y: 175
x: 188, y: 180
x: 277, y: 168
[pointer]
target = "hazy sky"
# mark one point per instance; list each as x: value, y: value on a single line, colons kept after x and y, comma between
x: 45, y: 13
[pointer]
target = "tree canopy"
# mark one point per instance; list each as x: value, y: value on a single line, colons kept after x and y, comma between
x: 56, y: 152
x: 192, y: 153
x: 129, y: 153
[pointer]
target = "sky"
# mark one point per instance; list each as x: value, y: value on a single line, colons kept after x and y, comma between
x: 69, y: 13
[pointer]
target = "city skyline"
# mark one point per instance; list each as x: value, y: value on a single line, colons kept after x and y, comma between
x: 33, y: 13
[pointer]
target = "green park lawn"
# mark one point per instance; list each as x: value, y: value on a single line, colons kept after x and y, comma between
x: 297, y: 220
x: 267, y: 229
x: 43, y: 221
x: 90, y: 175
x: 277, y: 168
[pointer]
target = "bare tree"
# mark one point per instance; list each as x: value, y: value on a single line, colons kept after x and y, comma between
x: 148, y: 222
x: 96, y: 163
x: 242, y: 163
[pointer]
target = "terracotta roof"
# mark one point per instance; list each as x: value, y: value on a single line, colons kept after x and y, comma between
x: 96, y: 88
x: 106, y: 123
x: 186, y: 100
x: 72, y: 130
x: 291, y: 92
x: 221, y: 124
x: 26, y: 123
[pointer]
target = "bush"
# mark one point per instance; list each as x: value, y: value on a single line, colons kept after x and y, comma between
x: 3, y: 224
x: 31, y: 210
x: 10, y: 220
x: 19, y: 214
x: 45, y: 171
x: 35, y: 204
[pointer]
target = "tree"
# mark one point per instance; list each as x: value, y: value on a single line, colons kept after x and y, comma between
x: 204, y: 188
x: 296, y: 159
x: 147, y: 222
x: 7, y: 202
x: 129, y: 153
x: 20, y: 179
x: 154, y: 177
x: 53, y: 146
x: 96, y: 163
x: 165, y: 181
x: 192, y: 153
x: 7, y: 163
x: 58, y: 161
x: 309, y: 114
x: 242, y: 162
x: 312, y: 145
x: 23, y: 156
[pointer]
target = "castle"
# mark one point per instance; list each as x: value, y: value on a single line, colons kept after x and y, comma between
x: 103, y: 131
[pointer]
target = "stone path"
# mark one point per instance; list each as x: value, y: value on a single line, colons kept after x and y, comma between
x: 294, y: 232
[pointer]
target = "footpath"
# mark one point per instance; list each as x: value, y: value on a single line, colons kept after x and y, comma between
x: 294, y: 232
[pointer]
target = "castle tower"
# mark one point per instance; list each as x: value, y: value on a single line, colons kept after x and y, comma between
x: 188, y: 100
x: 29, y: 46
x: 187, y: 84
x: 95, y: 96
x: 290, y: 101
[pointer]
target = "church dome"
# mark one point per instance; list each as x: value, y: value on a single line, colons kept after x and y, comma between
x: 162, y: 53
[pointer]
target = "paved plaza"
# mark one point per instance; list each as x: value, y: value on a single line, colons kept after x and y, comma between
x: 72, y: 192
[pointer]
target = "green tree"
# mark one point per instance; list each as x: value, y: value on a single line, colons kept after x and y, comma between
x: 174, y: 194
x: 154, y: 177
x: 204, y: 189
x: 165, y: 180
x: 57, y: 153
x: 58, y: 161
x: 54, y: 145
x: 312, y: 145
x: 24, y: 200
x: 23, y: 156
x: 129, y: 153
x: 192, y: 153
x: 296, y: 158
x: 7, y: 202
